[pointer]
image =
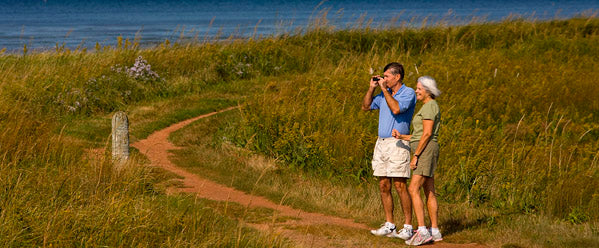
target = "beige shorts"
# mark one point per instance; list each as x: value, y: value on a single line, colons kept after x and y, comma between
x: 391, y: 158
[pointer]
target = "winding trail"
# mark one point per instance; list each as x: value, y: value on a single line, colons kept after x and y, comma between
x: 156, y: 147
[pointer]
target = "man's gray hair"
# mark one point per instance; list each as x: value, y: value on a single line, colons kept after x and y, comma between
x: 430, y: 86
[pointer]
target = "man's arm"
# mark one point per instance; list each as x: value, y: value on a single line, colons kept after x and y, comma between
x: 391, y: 102
x: 368, y: 97
x: 405, y: 100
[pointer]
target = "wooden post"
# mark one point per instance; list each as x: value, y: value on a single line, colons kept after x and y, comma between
x: 120, y: 138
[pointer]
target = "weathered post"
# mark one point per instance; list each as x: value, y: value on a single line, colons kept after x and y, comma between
x: 120, y: 138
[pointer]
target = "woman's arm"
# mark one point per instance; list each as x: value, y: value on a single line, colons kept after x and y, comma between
x: 400, y: 136
x: 427, y: 132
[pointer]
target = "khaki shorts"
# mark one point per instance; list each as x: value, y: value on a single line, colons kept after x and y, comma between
x: 391, y: 158
x: 427, y: 162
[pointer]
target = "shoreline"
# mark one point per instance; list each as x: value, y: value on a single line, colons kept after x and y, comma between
x: 315, y: 25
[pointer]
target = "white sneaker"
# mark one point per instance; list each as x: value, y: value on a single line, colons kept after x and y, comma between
x: 405, y: 233
x: 436, y: 237
x: 393, y: 234
x: 386, y: 229
x: 420, y: 239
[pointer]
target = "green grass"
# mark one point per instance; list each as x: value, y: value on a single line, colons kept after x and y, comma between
x: 53, y: 194
x: 145, y: 118
x: 519, y: 131
x: 59, y: 198
x: 519, y: 137
x: 207, y: 154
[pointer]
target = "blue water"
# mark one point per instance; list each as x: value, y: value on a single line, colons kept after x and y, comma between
x: 42, y: 24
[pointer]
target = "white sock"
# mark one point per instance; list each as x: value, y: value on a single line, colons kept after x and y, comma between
x: 435, y: 230
x: 390, y: 225
x: 422, y: 230
x: 408, y: 226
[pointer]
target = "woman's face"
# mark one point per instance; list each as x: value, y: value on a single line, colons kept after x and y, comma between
x: 421, y: 93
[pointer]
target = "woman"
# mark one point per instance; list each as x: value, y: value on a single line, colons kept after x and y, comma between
x: 425, y: 150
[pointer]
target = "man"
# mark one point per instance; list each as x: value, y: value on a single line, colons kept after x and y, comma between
x: 391, y: 158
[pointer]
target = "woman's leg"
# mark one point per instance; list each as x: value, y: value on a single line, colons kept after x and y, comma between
x: 417, y: 204
x: 431, y: 200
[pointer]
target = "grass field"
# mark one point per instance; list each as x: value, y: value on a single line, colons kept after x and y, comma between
x: 519, y: 137
x: 460, y: 222
x: 519, y: 109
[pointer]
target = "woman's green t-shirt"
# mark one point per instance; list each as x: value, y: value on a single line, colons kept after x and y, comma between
x: 428, y: 111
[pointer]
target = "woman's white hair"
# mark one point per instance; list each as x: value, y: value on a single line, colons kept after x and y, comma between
x: 429, y: 85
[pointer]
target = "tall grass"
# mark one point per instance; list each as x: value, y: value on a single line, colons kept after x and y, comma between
x: 206, y: 154
x: 519, y: 108
x: 519, y: 127
x: 53, y: 194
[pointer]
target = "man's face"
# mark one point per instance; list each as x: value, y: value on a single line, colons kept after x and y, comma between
x: 391, y: 79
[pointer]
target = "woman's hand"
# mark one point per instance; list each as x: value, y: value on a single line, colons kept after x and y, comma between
x: 414, y: 162
x: 400, y: 136
x: 395, y: 134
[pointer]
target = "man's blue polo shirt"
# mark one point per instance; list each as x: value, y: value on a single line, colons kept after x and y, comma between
x: 387, y: 120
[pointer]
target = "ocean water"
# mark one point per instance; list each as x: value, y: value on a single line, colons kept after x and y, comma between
x: 44, y: 24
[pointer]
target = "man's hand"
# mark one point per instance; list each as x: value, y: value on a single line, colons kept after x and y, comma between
x: 414, y: 162
x: 368, y: 97
x: 383, y: 84
x: 374, y: 84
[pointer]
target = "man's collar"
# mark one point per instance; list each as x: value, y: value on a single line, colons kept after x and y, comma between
x: 399, y: 90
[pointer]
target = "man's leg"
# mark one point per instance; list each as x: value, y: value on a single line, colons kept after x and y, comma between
x: 386, y: 198
x: 404, y: 196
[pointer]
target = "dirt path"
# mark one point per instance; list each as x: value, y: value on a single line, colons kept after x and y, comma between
x: 156, y: 147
